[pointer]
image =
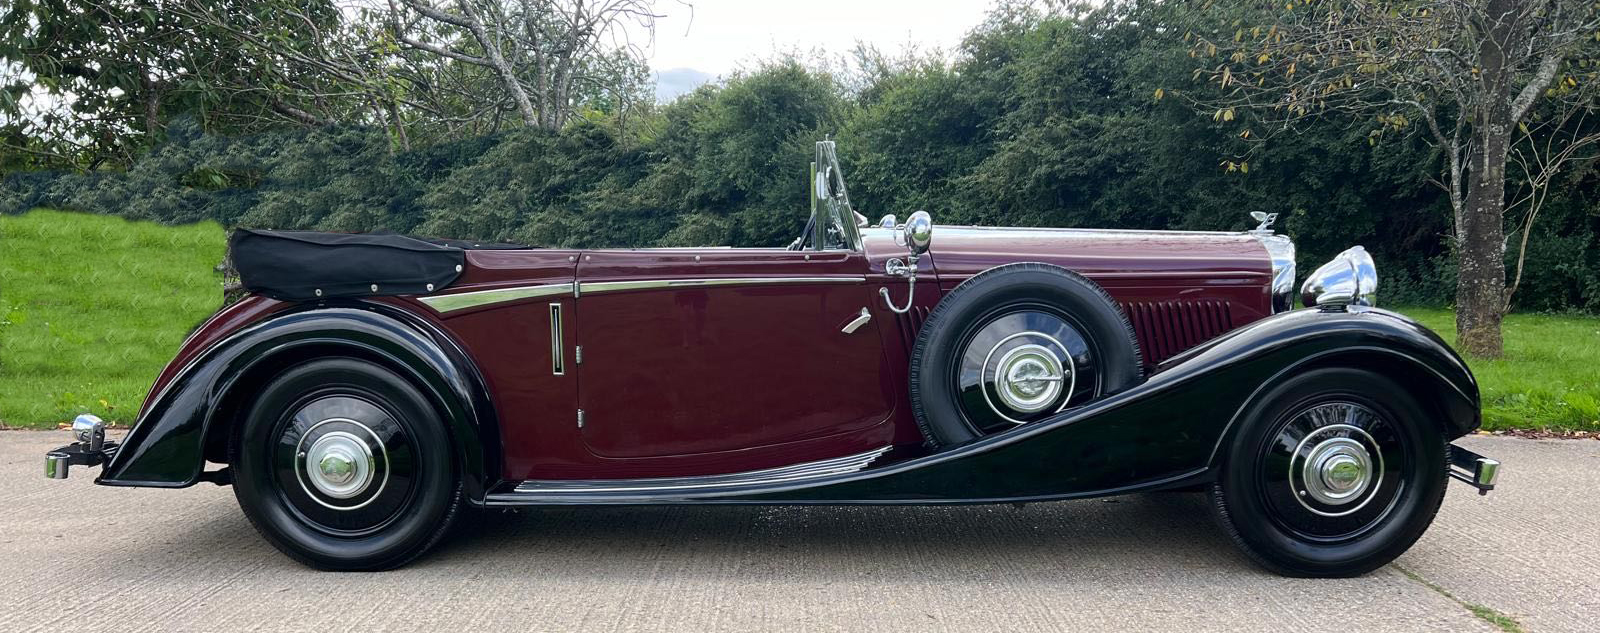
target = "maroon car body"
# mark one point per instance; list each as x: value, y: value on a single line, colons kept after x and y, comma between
x: 721, y: 412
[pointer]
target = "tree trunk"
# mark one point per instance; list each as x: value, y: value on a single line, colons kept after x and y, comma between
x: 1480, y: 250
x: 1480, y: 255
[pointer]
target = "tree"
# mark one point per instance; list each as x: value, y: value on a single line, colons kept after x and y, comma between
x: 90, y: 80
x: 544, y: 55
x: 1470, y: 71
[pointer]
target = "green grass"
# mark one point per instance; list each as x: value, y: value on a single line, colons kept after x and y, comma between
x: 1549, y: 378
x: 92, y: 307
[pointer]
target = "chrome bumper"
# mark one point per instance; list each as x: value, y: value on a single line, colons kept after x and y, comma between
x: 1476, y: 470
x: 91, y: 449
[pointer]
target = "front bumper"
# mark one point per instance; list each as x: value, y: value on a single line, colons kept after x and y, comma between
x: 91, y: 449
x: 1476, y: 470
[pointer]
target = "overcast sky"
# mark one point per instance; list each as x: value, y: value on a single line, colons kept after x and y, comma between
x: 725, y: 35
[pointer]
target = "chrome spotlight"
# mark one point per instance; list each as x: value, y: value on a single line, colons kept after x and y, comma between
x: 89, y: 431
x: 1349, y: 279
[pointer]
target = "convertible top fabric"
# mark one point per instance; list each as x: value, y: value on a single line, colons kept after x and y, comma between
x: 305, y: 265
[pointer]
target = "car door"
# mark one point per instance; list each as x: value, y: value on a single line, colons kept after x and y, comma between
x: 690, y: 351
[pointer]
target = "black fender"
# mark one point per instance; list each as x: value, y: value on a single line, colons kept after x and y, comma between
x: 184, y: 424
x: 1167, y: 431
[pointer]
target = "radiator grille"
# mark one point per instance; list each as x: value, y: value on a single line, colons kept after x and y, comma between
x: 1165, y: 328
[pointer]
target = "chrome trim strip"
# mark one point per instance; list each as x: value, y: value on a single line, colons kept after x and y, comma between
x: 588, y: 287
x: 464, y: 300
x: 796, y: 472
x: 557, y: 364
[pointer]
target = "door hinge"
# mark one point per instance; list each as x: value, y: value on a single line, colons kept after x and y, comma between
x: 577, y: 354
x: 580, y: 418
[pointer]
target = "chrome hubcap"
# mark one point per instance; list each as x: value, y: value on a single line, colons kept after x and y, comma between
x: 1029, y: 378
x: 1338, y: 471
x: 1335, y: 468
x: 338, y: 464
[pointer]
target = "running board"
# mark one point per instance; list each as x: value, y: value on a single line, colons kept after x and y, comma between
x: 559, y: 491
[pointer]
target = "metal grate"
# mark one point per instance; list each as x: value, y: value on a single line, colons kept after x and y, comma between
x: 1166, y: 328
x: 910, y: 324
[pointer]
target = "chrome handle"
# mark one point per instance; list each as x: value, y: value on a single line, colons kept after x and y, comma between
x: 856, y: 323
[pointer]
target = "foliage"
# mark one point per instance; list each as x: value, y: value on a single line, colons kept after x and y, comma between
x: 1039, y: 119
x: 92, y: 307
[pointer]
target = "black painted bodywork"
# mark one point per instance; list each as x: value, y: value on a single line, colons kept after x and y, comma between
x: 1164, y: 432
x: 178, y: 431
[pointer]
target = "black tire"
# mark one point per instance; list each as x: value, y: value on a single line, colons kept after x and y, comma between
x: 1268, y: 495
x: 386, y: 488
x: 1009, y: 313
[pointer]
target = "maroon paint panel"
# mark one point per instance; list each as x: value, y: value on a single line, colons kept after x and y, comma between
x: 681, y: 371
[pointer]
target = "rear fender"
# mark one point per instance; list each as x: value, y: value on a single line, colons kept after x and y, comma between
x: 196, y: 410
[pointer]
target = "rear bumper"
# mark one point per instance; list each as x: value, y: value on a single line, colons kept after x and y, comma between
x: 91, y: 449
x: 1476, y: 470
x: 57, y: 463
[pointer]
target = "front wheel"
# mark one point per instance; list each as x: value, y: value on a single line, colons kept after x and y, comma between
x: 344, y: 465
x: 1333, y: 473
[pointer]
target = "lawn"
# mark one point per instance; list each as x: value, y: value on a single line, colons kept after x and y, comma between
x: 1549, y: 378
x: 91, y: 308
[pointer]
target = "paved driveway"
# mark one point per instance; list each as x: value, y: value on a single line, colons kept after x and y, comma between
x: 75, y: 556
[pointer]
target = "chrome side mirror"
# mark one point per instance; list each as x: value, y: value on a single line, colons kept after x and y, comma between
x: 888, y: 221
x: 918, y: 233
x: 1350, y: 278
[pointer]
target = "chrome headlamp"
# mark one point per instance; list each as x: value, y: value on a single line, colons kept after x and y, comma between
x: 1349, y: 279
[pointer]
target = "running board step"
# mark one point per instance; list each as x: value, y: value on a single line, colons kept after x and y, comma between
x: 555, y: 491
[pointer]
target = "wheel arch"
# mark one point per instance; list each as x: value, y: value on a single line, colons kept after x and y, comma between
x: 191, y: 420
x: 1450, y: 401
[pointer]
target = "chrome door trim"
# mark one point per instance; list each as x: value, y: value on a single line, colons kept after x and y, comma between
x: 590, y: 287
x: 781, y: 474
x: 464, y: 300
x: 558, y: 365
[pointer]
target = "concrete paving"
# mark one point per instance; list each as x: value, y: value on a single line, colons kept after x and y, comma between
x: 75, y: 556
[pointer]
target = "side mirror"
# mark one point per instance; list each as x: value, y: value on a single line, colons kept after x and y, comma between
x: 918, y: 233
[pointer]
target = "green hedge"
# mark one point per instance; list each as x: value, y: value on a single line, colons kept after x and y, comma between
x: 1048, y: 123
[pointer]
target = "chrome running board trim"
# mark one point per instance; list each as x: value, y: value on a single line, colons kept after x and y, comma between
x: 545, y: 488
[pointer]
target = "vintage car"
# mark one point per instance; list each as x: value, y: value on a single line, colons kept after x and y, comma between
x: 373, y: 385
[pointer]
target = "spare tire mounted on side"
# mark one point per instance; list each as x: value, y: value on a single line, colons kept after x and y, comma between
x: 1016, y: 344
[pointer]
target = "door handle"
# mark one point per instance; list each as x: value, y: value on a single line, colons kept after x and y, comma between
x: 856, y: 323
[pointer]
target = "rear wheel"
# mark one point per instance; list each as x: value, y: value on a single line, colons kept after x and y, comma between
x: 1334, y: 473
x: 344, y: 465
x: 1017, y: 344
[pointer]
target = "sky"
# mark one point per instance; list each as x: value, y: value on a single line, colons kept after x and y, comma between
x: 720, y: 36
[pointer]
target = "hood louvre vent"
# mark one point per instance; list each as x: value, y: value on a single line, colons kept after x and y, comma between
x: 910, y: 324
x: 1166, y: 328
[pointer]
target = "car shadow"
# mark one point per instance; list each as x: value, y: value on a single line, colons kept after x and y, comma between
x: 1128, y: 536
x: 1148, y: 533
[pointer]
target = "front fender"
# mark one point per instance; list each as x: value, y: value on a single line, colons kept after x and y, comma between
x: 1166, y: 431
x: 167, y: 446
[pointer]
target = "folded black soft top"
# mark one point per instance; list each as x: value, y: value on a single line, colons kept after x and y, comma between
x: 304, y: 265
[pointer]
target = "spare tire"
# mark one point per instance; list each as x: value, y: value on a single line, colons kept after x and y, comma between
x: 1016, y: 344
